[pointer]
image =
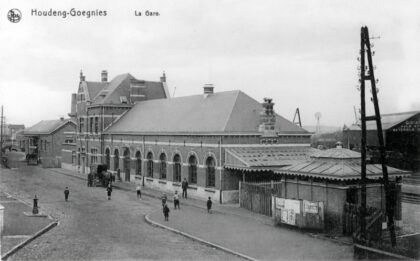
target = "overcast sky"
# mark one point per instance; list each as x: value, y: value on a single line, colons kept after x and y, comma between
x: 300, y: 53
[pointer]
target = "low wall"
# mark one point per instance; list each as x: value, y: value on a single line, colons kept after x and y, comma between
x: 193, y: 191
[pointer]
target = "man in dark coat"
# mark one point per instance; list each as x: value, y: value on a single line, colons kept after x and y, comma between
x: 184, y: 188
x: 109, y: 191
x: 166, y: 212
x: 66, y: 193
x: 209, y: 203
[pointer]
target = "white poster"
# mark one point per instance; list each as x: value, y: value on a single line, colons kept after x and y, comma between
x: 293, y: 205
x: 310, y: 207
x: 279, y: 203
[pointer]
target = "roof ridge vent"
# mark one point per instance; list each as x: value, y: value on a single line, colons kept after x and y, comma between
x: 208, y: 89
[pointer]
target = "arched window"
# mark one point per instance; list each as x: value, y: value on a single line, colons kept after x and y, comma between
x: 192, y: 170
x: 177, y: 168
x: 116, y: 160
x: 150, y: 164
x: 162, y: 170
x: 107, y: 158
x: 210, y: 172
x: 138, y: 163
x: 127, y: 162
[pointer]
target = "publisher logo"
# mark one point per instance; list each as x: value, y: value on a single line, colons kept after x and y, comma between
x: 14, y: 15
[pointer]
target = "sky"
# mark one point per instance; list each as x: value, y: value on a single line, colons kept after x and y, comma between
x: 302, y: 54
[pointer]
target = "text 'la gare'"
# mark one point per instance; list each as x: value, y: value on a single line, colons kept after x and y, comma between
x: 146, y: 13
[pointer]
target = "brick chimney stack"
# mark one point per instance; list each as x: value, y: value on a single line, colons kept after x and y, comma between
x: 104, y: 76
x: 267, y: 118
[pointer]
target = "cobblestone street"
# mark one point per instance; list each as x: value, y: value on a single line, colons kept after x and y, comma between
x: 94, y: 228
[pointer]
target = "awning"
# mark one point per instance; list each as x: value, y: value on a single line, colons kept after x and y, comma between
x: 264, y: 158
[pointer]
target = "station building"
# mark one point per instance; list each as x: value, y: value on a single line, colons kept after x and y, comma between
x: 135, y: 128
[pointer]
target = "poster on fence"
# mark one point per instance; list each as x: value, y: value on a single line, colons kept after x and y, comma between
x: 292, y: 204
x: 310, y: 207
x: 279, y: 203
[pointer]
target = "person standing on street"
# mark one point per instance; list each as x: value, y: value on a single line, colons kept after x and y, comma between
x: 138, y: 189
x: 209, y: 203
x: 176, y: 200
x: 184, y: 188
x: 66, y: 193
x: 109, y: 191
x: 166, y: 212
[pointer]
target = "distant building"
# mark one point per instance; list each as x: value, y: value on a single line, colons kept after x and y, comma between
x: 9, y: 134
x: 401, y: 135
x: 158, y: 141
x: 46, y: 139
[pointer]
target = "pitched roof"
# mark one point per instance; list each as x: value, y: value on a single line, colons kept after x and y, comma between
x: 231, y: 111
x: 46, y: 127
x: 110, y: 92
x: 388, y: 120
x: 342, y: 164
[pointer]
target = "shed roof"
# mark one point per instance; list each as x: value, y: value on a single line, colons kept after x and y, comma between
x: 222, y: 112
x: 344, y: 165
x: 266, y: 157
x: 46, y: 127
x: 388, y: 120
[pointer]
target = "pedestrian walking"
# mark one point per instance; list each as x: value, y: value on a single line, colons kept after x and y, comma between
x: 164, y: 199
x: 66, y: 193
x: 176, y: 200
x: 184, y: 188
x: 209, y: 203
x: 166, y: 212
x: 90, y: 179
x: 109, y: 191
x: 138, y: 189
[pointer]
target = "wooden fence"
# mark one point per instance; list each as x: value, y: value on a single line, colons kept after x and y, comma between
x: 257, y: 197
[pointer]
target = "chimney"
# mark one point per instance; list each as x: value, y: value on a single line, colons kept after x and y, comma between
x: 61, y: 118
x: 82, y: 77
x: 163, y: 77
x: 267, y: 118
x: 208, y: 89
x: 104, y: 76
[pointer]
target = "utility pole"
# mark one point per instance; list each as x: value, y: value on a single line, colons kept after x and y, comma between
x: 365, y: 42
x: 1, y: 134
x: 363, y: 142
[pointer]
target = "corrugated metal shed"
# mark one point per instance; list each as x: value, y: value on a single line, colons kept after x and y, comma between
x: 337, y: 164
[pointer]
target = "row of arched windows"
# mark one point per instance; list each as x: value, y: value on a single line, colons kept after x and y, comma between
x: 162, y: 166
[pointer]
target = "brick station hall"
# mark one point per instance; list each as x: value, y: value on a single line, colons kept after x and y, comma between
x: 134, y: 126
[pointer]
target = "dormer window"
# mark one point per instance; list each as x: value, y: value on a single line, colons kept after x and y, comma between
x: 123, y: 99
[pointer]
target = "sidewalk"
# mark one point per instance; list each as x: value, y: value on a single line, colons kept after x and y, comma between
x: 247, y: 237
x: 239, y: 230
x: 18, y: 228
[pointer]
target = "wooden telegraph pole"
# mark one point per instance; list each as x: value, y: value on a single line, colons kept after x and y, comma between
x: 370, y: 76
